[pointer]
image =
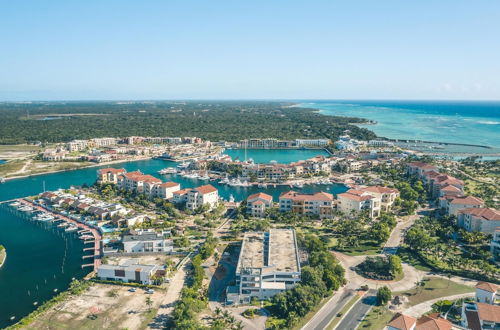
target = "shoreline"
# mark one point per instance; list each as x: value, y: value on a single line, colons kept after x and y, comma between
x: 3, y: 256
x: 78, y: 168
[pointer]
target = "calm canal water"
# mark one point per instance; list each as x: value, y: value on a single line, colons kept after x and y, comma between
x: 41, y: 259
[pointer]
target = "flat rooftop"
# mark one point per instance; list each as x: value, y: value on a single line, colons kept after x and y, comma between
x: 273, y: 251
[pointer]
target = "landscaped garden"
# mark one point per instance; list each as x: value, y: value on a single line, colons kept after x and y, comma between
x: 387, y: 268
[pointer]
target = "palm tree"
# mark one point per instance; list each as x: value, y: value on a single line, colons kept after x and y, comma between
x: 149, y: 302
x: 218, y: 311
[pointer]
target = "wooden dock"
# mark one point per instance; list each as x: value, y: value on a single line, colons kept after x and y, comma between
x: 97, y: 237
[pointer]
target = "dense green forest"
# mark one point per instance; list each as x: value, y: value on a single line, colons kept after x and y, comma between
x: 212, y: 120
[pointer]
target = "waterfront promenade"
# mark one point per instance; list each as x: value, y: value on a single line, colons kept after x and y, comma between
x: 93, y: 231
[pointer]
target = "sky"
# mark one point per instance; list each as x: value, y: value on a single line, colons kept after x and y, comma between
x: 273, y: 49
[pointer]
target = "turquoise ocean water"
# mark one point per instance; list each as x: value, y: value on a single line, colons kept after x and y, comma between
x: 440, y: 121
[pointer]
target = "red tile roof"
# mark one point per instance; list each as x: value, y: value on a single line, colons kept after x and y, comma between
x: 402, y: 322
x: 488, y: 312
x: 262, y: 196
x: 169, y: 184
x: 490, y: 287
x: 181, y: 192
x: 355, y: 197
x: 450, y: 188
x: 485, y: 213
x: 381, y: 190
x: 433, y: 322
x: 205, y: 189
x: 319, y: 196
x: 467, y: 200
x: 112, y: 170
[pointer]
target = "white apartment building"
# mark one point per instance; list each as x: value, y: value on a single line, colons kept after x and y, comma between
x: 130, y: 272
x: 319, y: 204
x: 482, y: 219
x: 203, y: 195
x: 311, y: 142
x: 483, y: 313
x: 257, y: 204
x: 102, y: 142
x: 166, y: 190
x: 268, y: 264
x: 373, y: 198
x: 386, y: 195
x: 355, y: 201
x: 142, y: 242
x: 77, y: 145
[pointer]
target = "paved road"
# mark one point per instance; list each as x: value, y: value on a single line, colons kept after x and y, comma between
x: 352, y: 319
x: 325, y: 315
x: 170, y: 298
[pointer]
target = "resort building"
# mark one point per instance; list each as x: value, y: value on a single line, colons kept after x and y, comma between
x: 318, y: 204
x: 355, y: 201
x: 141, y: 242
x: 386, y: 195
x: 166, y: 190
x: 257, y: 204
x: 484, y: 220
x: 374, y: 199
x: 268, y: 264
x: 137, y: 182
x: 442, y: 181
x: 420, y: 168
x: 486, y: 292
x: 109, y: 175
x: 484, y: 313
x: 180, y: 196
x: 311, y: 142
x: 451, y: 205
x: 201, y: 196
x: 77, y: 145
x: 131, y: 272
x: 495, y: 244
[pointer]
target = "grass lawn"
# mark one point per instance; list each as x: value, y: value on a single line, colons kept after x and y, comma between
x: 18, y: 147
x: 376, y: 319
x: 11, y: 166
x: 364, y: 248
x: 409, y: 258
x: 435, y: 287
x: 342, y: 312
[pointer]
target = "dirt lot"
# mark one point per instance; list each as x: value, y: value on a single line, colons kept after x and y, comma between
x: 114, y: 306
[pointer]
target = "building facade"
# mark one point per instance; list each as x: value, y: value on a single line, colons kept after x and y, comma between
x: 268, y: 264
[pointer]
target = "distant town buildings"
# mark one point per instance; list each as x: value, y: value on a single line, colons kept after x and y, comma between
x: 276, y: 144
x: 268, y: 264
